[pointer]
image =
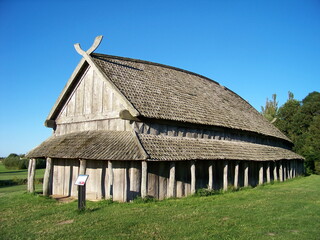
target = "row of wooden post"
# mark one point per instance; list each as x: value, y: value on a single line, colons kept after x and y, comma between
x: 286, y: 170
x: 284, y: 174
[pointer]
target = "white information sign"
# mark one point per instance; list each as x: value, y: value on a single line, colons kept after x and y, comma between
x: 81, y: 180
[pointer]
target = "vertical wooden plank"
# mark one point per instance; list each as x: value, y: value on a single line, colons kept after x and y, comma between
x: 134, y: 189
x: 98, y: 179
x: 280, y: 171
x: 105, y: 99
x: 91, y: 182
x: 293, y: 168
x: 144, y: 173
x: 88, y: 84
x: 32, y: 175
x: 163, y: 180
x: 71, y: 106
x: 79, y: 99
x: 83, y: 166
x: 225, y: 175
x: 246, y: 175
x: 152, y: 180
x: 55, y: 178
x: 125, y: 181
x: 284, y: 166
x: 290, y: 169
x: 260, y: 173
x: 193, y: 177
x: 67, y: 171
x: 75, y: 173
x: 172, y: 173
x: 109, y: 194
x: 268, y: 172
x: 46, y: 178
x: 180, y: 172
x: 29, y: 175
x: 118, y: 180
x: 61, y: 175
x: 210, y: 169
x: 275, y: 172
x: 236, y: 174
x: 97, y: 94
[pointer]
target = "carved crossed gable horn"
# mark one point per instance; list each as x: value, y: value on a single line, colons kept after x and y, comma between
x: 94, y: 46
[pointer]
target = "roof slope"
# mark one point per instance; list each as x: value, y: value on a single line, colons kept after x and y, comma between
x: 163, y: 92
x: 117, y: 145
x: 165, y: 148
x: 96, y: 145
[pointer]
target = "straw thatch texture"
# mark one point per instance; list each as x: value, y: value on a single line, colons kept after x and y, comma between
x: 96, y: 145
x: 165, y: 148
x: 163, y: 92
x: 123, y: 145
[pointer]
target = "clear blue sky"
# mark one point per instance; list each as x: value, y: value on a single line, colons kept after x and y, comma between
x: 255, y: 48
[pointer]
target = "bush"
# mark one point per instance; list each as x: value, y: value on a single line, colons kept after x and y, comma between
x: 14, y: 161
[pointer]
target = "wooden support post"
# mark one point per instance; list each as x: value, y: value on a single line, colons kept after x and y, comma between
x: 83, y: 166
x: 236, y: 175
x: 268, y: 172
x: 210, y: 169
x: 280, y: 172
x: 193, y: 177
x: 225, y: 175
x: 110, y: 181
x: 275, y: 172
x: 290, y: 169
x: 144, y: 174
x: 47, y: 177
x: 246, y: 174
x: 260, y: 173
x: 172, y: 176
x: 294, y: 168
x: 284, y: 165
x: 31, y: 175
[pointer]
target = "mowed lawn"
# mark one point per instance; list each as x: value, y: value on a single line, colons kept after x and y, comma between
x: 11, y: 174
x: 289, y: 210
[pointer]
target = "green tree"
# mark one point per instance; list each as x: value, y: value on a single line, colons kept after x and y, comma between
x: 285, y: 116
x: 269, y: 111
x: 300, y: 121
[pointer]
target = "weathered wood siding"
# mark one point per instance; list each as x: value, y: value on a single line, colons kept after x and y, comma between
x: 214, y: 133
x: 65, y: 173
x: 127, y: 177
x: 91, y: 106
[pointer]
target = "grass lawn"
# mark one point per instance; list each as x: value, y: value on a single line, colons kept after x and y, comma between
x: 8, y: 174
x: 289, y: 210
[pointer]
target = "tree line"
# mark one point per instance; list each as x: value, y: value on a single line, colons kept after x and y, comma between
x: 300, y: 121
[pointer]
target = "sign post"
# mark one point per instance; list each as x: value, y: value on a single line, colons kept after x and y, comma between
x: 81, y: 182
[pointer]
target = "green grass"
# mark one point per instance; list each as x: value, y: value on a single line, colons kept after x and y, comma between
x: 289, y: 210
x: 9, y: 174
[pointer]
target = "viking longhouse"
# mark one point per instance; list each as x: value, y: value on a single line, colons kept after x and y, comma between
x: 139, y: 128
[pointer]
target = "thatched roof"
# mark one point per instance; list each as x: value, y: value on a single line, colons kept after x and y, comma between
x: 97, y: 145
x: 116, y: 145
x: 164, y: 92
x: 167, y: 148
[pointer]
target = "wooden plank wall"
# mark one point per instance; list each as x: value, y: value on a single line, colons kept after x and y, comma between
x: 91, y: 106
x: 65, y: 173
x: 216, y: 133
x: 127, y: 177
